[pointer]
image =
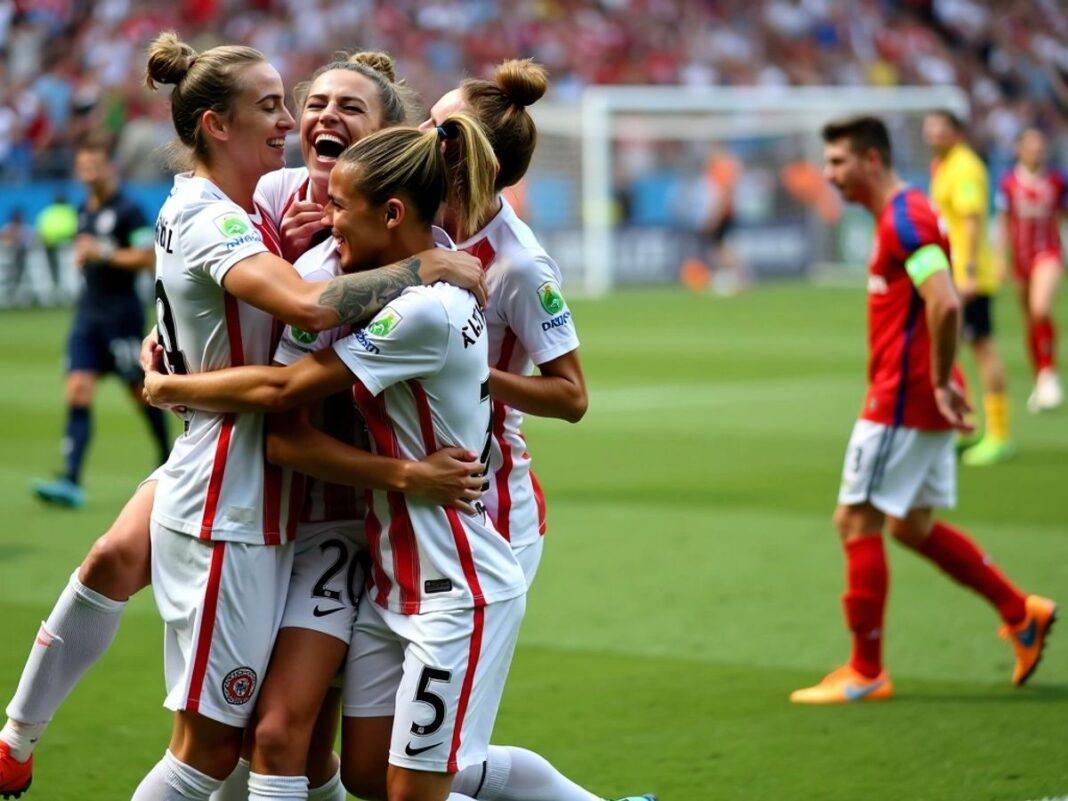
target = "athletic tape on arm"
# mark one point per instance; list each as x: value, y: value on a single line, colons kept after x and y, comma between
x: 925, y: 262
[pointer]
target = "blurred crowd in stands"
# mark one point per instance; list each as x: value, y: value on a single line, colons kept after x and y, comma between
x: 71, y: 66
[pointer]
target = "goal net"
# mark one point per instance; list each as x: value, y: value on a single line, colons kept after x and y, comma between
x: 632, y: 185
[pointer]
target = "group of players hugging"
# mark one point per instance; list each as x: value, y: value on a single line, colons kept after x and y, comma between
x: 349, y: 524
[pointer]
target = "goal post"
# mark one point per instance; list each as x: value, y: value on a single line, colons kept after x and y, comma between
x: 594, y: 151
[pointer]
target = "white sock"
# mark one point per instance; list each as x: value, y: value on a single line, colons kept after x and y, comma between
x: 21, y: 738
x: 516, y: 774
x: 171, y: 780
x: 277, y: 788
x: 79, y: 630
x: 333, y: 790
x: 235, y: 788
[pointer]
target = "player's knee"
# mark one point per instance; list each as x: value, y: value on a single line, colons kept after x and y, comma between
x: 281, y: 742
x: 906, y: 532
x: 845, y: 523
x: 79, y: 389
x: 364, y: 779
x: 113, y: 569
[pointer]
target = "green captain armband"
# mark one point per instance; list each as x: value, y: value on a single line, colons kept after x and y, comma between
x: 925, y: 262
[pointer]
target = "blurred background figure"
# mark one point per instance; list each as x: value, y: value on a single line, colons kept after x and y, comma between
x: 113, y: 243
x: 960, y: 189
x: 57, y: 223
x: 1032, y: 199
x: 18, y: 238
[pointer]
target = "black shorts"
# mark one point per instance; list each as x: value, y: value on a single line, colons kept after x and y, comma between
x: 107, y: 344
x: 978, y: 319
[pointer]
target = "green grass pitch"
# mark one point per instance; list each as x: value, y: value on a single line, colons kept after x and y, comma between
x: 691, y: 577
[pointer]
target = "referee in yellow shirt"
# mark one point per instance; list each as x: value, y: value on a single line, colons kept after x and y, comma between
x: 960, y: 190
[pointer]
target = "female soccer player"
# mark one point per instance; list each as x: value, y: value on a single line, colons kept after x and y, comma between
x: 448, y: 592
x: 86, y: 617
x: 1032, y: 199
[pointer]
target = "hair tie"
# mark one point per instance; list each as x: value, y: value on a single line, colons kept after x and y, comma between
x: 192, y: 61
x: 443, y: 132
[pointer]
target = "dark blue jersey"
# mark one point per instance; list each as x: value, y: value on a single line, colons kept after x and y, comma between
x: 116, y: 223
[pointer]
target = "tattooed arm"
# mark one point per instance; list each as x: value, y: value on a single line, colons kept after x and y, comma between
x: 270, y: 283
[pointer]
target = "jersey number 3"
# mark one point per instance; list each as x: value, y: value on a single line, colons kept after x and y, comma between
x: 173, y: 358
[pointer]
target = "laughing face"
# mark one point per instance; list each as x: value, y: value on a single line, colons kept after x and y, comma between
x: 256, y: 131
x: 342, y: 107
x: 361, y: 228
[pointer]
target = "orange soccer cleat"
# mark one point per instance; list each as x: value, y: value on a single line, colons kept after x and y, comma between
x: 1029, y: 636
x: 845, y: 685
x: 15, y: 776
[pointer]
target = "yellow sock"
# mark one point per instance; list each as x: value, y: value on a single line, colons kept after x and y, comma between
x: 996, y: 405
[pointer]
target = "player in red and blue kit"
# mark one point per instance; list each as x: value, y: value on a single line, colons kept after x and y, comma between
x: 900, y: 463
x: 1032, y: 200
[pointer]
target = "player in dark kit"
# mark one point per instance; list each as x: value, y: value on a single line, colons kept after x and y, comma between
x: 114, y: 242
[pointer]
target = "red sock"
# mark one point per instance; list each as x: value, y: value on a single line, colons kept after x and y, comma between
x: 1043, y: 340
x: 961, y: 558
x: 865, y: 600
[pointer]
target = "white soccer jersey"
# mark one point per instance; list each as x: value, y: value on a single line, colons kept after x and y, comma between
x: 278, y: 190
x: 529, y: 324
x: 336, y: 415
x: 422, y: 384
x: 216, y: 484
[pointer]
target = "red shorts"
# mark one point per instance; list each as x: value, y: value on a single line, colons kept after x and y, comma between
x: 1024, y: 267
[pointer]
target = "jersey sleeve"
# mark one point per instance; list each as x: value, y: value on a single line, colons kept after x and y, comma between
x: 916, y: 229
x: 408, y: 339
x: 533, y: 306
x: 215, y: 236
x: 296, y: 342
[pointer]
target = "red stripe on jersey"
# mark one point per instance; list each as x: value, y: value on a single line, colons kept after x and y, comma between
x: 483, y: 251
x: 296, y: 502
x: 207, y: 628
x: 478, y: 619
x: 426, y: 420
x: 463, y: 550
x: 222, y: 445
x: 270, y: 236
x: 539, y: 501
x: 500, y: 412
x: 401, y: 533
x: 272, y: 502
x: 300, y: 192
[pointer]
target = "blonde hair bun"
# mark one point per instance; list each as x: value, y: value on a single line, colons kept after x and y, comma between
x: 376, y: 60
x: 169, y: 59
x: 523, y: 81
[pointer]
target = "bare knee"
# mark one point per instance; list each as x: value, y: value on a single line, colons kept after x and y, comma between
x: 911, y: 530
x: 206, y: 745
x: 79, y: 388
x: 281, y: 743
x: 856, y: 521
x: 118, y: 564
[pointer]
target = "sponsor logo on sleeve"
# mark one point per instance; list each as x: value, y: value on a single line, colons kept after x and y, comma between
x: 551, y: 299
x: 384, y: 324
x: 302, y: 336
x: 231, y: 225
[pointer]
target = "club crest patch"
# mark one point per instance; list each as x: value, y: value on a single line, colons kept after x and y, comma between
x: 239, y: 685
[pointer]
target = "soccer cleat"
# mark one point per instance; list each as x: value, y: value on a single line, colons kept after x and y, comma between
x: 61, y: 492
x: 966, y: 441
x: 1029, y: 636
x: 988, y: 451
x: 15, y: 776
x: 1047, y: 394
x: 845, y: 685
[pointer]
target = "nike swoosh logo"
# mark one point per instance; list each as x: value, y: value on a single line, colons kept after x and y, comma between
x: 854, y: 692
x: 324, y: 612
x: 1027, y: 636
x: 416, y: 751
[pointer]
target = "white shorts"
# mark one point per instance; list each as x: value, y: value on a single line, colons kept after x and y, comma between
x: 327, y: 580
x: 221, y: 603
x: 899, y: 469
x: 440, y: 674
x: 529, y: 557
